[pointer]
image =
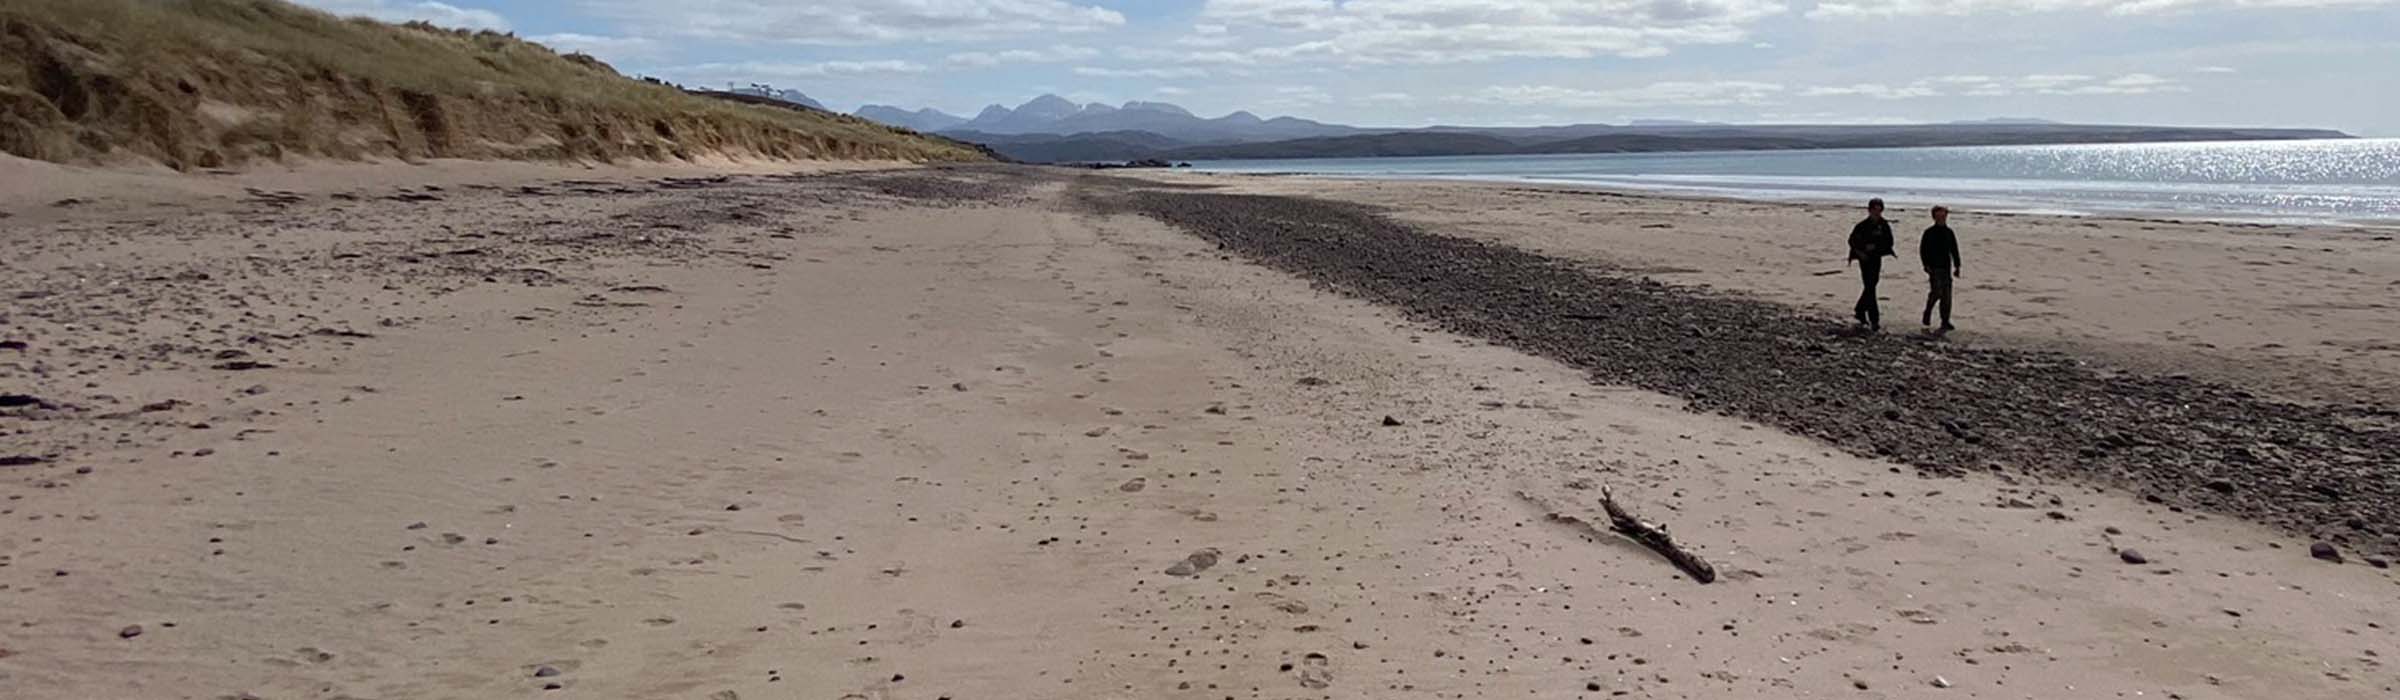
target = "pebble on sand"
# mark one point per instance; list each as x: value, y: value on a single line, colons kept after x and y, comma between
x: 129, y: 632
x: 2325, y: 551
x: 2132, y: 557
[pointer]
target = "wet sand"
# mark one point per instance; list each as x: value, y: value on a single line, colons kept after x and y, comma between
x: 962, y: 434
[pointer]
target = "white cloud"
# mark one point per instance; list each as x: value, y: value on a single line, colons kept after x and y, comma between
x: 1746, y: 92
x: 759, y: 70
x: 2050, y: 82
x: 1988, y: 86
x: 1446, y: 31
x: 439, y: 13
x: 1389, y: 97
x: 2130, y: 84
x: 1206, y: 36
x: 2219, y: 70
x: 1171, y: 91
x: 609, y: 48
x: 1099, y: 72
x: 1053, y: 54
x: 858, y: 21
x: 1875, y: 90
x: 1672, y: 93
x: 1897, y: 8
x: 1291, y: 96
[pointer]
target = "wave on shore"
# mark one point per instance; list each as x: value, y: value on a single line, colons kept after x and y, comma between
x: 2351, y: 181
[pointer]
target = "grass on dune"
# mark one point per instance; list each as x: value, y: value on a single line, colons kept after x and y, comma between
x: 214, y: 82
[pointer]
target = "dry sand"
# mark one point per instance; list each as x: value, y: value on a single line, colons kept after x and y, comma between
x: 944, y: 435
x: 35, y: 191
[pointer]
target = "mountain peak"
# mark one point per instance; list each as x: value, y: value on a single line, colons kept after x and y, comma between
x: 1140, y: 106
x: 1097, y: 108
x: 992, y: 112
x: 1240, y: 117
x: 1048, y: 106
x: 925, y: 119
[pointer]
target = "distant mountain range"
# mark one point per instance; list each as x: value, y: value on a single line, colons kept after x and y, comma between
x: 1056, y: 116
x: 927, y: 119
x: 1052, y: 129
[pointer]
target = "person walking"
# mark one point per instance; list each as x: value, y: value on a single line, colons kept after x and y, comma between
x: 1939, y: 251
x: 1870, y: 243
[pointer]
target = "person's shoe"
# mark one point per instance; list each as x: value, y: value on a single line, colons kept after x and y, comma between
x: 1928, y: 320
x: 1946, y: 327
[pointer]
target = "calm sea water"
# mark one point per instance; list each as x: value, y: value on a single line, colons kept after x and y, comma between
x: 2343, y: 181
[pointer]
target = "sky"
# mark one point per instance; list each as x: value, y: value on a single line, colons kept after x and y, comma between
x: 2285, y: 63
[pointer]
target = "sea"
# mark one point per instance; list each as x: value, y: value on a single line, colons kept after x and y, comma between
x: 2332, y: 181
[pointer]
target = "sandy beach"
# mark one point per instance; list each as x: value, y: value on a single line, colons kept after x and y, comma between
x: 887, y: 433
x: 2304, y: 311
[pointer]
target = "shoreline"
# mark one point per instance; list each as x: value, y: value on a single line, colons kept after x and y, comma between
x: 2282, y: 309
x: 2377, y: 226
x: 1945, y: 407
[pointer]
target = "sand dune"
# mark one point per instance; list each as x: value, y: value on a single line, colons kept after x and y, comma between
x: 198, y: 85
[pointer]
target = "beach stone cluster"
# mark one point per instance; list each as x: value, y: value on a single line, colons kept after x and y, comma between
x: 2324, y: 472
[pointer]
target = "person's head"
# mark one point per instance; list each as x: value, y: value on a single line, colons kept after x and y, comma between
x: 1875, y: 207
x: 1941, y: 215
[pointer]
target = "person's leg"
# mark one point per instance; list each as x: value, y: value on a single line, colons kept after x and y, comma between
x: 1873, y: 272
x: 1947, y: 291
x: 1933, y: 294
x: 1937, y: 288
x: 1866, y: 295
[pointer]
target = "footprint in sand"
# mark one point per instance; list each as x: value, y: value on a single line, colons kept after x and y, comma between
x: 1316, y: 672
x: 1192, y: 565
x: 551, y: 669
x: 1279, y: 602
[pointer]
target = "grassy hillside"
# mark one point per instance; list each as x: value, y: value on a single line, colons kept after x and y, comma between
x: 211, y: 83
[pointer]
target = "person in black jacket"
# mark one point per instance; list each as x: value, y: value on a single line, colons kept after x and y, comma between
x: 1939, y: 252
x: 1870, y: 243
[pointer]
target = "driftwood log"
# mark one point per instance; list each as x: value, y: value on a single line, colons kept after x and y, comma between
x: 1624, y: 524
x: 1655, y: 537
